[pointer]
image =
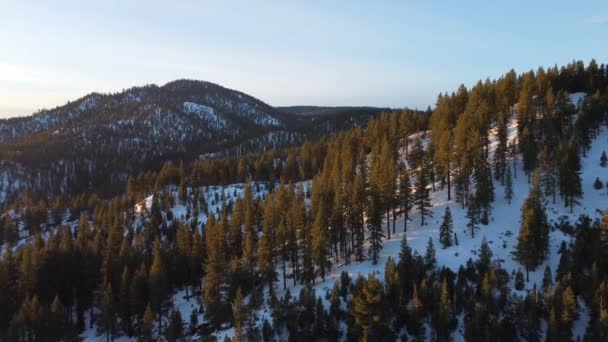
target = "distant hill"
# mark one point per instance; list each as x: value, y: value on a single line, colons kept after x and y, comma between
x: 325, y: 111
x: 94, y: 143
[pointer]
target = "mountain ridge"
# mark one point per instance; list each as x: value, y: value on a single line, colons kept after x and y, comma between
x: 96, y: 141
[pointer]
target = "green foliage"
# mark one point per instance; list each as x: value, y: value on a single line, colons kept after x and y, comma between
x: 446, y: 229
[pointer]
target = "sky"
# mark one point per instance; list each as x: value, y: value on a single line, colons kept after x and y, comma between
x: 376, y: 53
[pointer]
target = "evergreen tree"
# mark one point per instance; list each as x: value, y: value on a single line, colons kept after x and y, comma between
x: 158, y: 283
x: 416, y: 154
x: 406, y: 197
x: 508, y: 185
x: 334, y: 302
x: 355, y: 218
x: 484, y: 192
x: 239, y: 316
x: 392, y: 283
x: 250, y: 245
x: 430, y: 259
x: 547, y: 278
x: 569, y: 307
x: 124, y: 302
x: 214, y: 270
x: 569, y: 174
x: 58, y: 325
x: 485, y: 254
x: 446, y: 229
x: 374, y: 222
x: 107, y: 309
x: 320, y: 243
x: 382, y: 178
x: 368, y: 306
x: 598, y: 184
x: 147, y: 325
x: 533, y: 240
x: 604, y: 237
x: 500, y: 153
x: 422, y: 195
x: 604, y: 159
x: 174, y: 331
x: 473, y: 216
x: 445, y: 311
x: 519, y: 280
x: 266, y: 247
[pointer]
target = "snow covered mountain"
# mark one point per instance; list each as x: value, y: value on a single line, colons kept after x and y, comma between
x: 94, y: 143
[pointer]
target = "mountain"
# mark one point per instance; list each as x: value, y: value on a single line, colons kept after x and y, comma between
x: 94, y: 143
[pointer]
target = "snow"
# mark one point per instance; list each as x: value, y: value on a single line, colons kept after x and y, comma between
x: 206, y: 113
x: 213, y: 197
x: 88, y: 103
x: 577, y: 99
x: 580, y: 326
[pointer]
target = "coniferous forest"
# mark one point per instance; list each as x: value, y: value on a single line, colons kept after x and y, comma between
x: 354, y: 235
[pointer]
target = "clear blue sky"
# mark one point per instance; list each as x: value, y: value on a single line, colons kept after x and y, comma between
x: 380, y: 53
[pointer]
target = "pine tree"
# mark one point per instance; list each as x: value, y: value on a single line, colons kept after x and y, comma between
x: 250, y: 245
x: 193, y: 325
x: 174, y: 331
x: 569, y: 306
x: 406, y: 198
x: 320, y: 243
x: 422, y: 195
x: 547, y: 278
x: 473, y: 214
x: 533, y: 239
x: 604, y: 159
x: 147, y: 325
x: 374, y: 222
x: 598, y: 184
x: 604, y: 237
x: 266, y: 246
x: 124, y: 302
x: 508, y: 185
x: 445, y: 311
x: 239, y: 316
x: 392, y: 283
x: 416, y: 310
x: 430, y: 259
x: 107, y: 309
x: 569, y: 174
x: 382, y: 178
x: 500, y: 153
x: 416, y: 154
x: 484, y: 191
x: 519, y: 280
x: 446, y: 229
x: 334, y: 302
x: 355, y: 218
x: 59, y: 326
x: 214, y: 270
x: 368, y: 306
x: 485, y: 254
x: 158, y: 283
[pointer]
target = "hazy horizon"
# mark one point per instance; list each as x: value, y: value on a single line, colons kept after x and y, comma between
x: 392, y: 54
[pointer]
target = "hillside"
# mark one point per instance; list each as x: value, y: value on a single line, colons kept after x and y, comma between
x: 93, y: 144
x: 500, y: 233
x: 483, y: 219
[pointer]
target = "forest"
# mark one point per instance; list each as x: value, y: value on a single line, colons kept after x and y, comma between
x: 249, y: 260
